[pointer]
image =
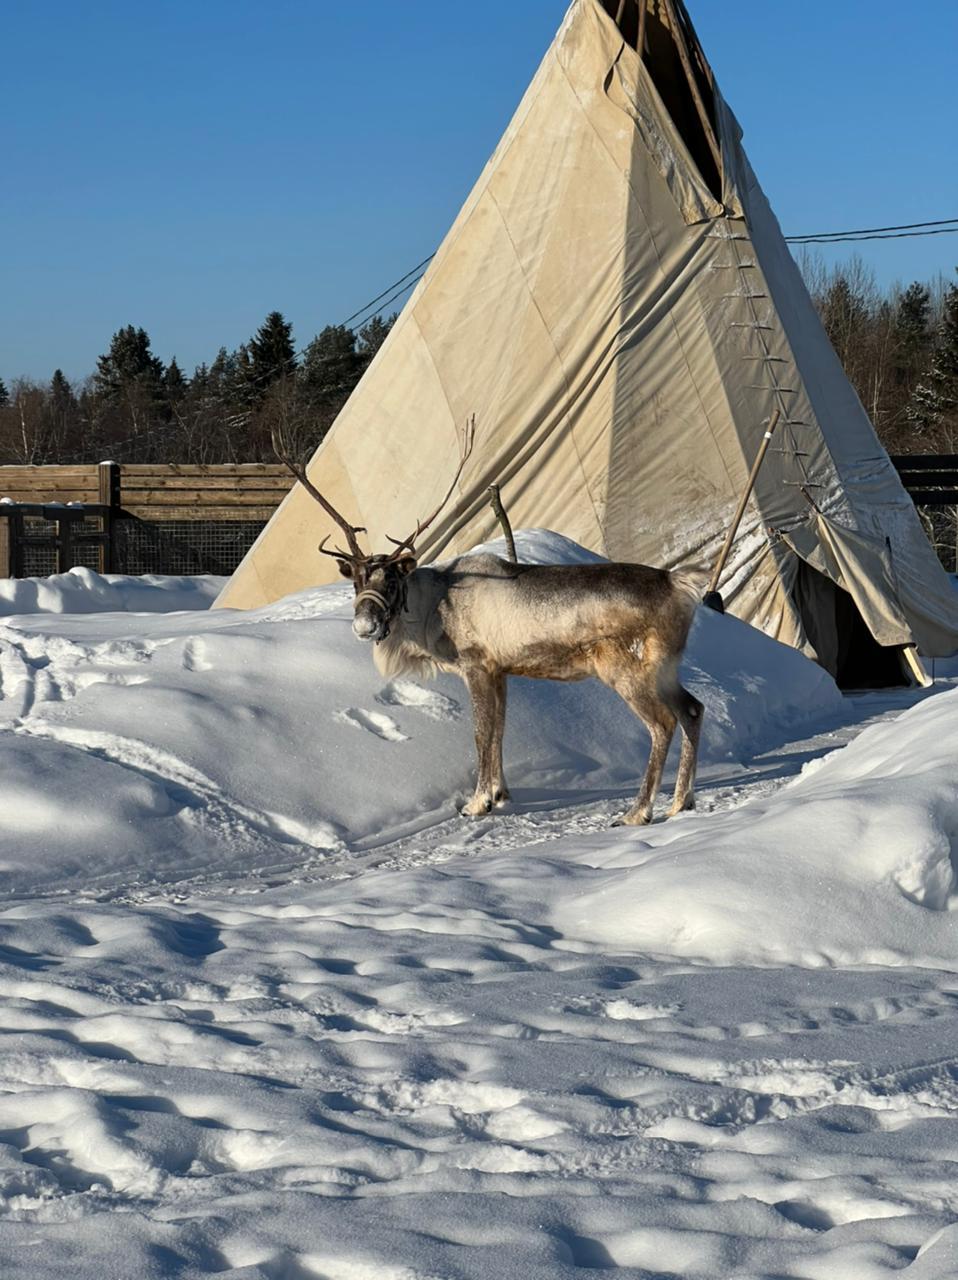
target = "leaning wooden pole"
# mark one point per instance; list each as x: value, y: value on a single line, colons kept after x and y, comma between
x: 682, y: 50
x: 499, y: 512
x: 914, y: 668
x: 740, y: 510
x: 694, y: 43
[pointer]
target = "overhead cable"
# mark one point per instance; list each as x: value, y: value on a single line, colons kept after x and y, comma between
x: 941, y: 227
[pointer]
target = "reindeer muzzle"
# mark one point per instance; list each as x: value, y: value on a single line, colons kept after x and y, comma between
x: 367, y: 626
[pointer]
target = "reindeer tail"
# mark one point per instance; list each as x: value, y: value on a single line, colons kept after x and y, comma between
x: 690, y: 583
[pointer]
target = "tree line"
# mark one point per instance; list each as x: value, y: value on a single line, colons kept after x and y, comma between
x: 134, y: 408
x: 899, y: 347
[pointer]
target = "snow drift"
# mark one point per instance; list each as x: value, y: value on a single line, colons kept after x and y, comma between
x: 372, y: 1039
x: 220, y: 741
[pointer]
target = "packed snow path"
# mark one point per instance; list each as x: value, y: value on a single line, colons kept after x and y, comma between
x: 321, y: 1046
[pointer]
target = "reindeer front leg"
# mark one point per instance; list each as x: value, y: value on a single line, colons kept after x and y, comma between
x: 488, y: 694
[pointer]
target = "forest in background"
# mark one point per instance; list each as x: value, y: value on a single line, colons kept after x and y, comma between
x: 899, y: 347
x: 134, y: 408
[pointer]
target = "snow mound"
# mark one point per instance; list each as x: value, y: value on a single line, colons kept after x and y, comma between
x: 84, y: 591
x: 221, y: 740
x: 853, y: 863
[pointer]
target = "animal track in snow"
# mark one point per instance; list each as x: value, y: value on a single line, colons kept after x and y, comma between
x: 194, y: 655
x: 374, y: 721
x: 431, y: 702
x: 40, y: 668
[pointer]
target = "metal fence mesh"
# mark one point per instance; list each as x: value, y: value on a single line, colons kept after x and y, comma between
x: 39, y: 562
x: 183, y: 546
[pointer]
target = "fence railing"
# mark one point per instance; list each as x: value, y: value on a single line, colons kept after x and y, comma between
x: 134, y: 518
x: 931, y: 479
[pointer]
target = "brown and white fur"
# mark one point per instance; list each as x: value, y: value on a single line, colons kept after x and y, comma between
x: 484, y: 619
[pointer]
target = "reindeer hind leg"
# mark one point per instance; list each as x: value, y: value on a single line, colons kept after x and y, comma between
x: 637, y: 685
x: 689, y: 711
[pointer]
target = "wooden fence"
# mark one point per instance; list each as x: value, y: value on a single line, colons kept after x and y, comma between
x: 74, y: 509
x: 75, y: 512
x: 155, y: 491
x: 931, y: 479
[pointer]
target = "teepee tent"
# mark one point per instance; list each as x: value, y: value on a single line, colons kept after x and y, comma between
x: 616, y: 305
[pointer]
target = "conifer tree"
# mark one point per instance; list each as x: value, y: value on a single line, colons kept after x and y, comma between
x: 844, y: 314
x: 934, y: 406
x: 4, y: 394
x: 174, y: 382
x: 331, y: 365
x: 911, y: 322
x: 61, y: 393
x: 131, y: 408
x: 64, y: 414
x: 128, y: 363
x: 373, y: 335
x: 270, y: 353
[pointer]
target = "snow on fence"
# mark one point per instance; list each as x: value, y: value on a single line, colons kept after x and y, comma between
x: 134, y: 518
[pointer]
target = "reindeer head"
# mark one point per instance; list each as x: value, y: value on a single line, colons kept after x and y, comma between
x: 379, y: 580
x: 380, y: 583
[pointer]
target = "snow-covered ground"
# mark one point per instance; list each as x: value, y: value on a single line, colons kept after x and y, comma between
x: 272, y: 1009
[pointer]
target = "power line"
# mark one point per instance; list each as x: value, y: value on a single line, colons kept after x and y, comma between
x: 417, y: 267
x: 942, y: 226
x: 398, y: 287
x: 896, y: 235
x: 404, y: 283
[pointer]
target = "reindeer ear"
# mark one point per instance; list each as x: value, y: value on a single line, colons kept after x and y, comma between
x: 406, y: 564
x: 345, y: 568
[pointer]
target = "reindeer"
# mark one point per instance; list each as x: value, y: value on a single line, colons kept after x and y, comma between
x: 483, y: 619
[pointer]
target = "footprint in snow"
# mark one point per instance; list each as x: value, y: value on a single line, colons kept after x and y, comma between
x: 374, y: 721
x: 430, y: 702
x: 194, y: 655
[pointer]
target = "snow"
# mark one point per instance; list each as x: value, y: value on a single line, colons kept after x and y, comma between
x: 84, y: 591
x: 271, y: 1008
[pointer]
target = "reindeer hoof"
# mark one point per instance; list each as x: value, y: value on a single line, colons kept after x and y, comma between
x: 687, y: 805
x: 633, y: 819
x: 476, y: 807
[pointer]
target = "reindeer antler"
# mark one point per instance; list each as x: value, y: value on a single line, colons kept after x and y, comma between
x: 465, y: 449
x: 355, y: 553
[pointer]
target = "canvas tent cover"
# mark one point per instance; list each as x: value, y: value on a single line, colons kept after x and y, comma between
x: 622, y: 322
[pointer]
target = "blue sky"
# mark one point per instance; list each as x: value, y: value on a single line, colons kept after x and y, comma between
x: 189, y: 167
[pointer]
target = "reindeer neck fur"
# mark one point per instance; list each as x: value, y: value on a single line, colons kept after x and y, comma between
x: 415, y: 644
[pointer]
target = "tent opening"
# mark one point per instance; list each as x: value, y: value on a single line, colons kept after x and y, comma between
x: 837, y: 631
x: 674, y: 59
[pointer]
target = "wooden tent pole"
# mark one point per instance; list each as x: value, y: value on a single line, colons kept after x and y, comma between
x: 693, y: 38
x: 913, y: 667
x: 499, y: 511
x: 689, y: 70
x: 643, y: 14
x: 740, y: 511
